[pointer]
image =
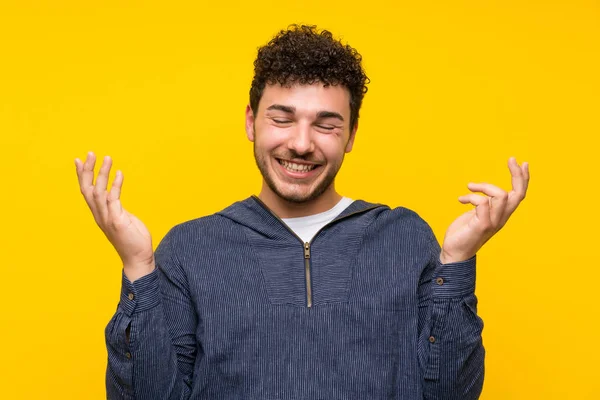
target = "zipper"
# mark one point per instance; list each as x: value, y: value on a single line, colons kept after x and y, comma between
x: 306, y: 245
x: 307, y: 274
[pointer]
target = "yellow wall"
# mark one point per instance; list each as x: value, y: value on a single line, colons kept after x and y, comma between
x: 457, y: 88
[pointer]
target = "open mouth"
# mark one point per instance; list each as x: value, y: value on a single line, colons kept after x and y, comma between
x: 295, y: 167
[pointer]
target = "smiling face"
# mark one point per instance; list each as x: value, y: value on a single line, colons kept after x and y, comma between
x: 300, y: 136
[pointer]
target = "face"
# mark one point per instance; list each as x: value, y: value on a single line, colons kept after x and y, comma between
x: 300, y: 136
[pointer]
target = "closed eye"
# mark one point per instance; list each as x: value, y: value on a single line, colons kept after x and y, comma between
x: 329, y: 128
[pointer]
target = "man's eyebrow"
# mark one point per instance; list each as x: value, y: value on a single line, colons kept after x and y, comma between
x: 330, y: 114
x: 281, y: 107
x: 292, y: 110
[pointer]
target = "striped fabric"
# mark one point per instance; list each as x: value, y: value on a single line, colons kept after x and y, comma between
x: 226, y: 314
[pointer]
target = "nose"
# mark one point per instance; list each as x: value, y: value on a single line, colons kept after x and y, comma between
x: 301, y: 140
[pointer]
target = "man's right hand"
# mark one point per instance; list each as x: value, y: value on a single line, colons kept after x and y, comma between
x: 128, y: 234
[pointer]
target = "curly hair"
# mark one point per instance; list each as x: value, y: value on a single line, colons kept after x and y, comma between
x: 302, y: 54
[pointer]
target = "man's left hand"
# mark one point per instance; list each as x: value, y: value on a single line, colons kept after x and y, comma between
x: 469, y: 232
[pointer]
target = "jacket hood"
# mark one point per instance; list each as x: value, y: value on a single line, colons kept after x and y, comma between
x: 254, y: 214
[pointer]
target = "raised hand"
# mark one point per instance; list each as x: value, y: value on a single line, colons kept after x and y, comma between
x: 469, y: 232
x: 128, y: 235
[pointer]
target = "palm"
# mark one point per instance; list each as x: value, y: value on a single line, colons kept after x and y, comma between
x: 132, y: 239
x: 473, y: 229
x: 458, y: 233
x: 128, y: 235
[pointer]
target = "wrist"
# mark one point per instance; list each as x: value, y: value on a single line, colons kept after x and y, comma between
x: 446, y: 258
x: 137, y: 271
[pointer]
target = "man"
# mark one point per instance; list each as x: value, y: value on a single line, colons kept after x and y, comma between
x: 299, y: 293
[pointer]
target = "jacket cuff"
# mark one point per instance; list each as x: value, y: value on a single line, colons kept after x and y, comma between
x: 455, y: 280
x: 141, y: 295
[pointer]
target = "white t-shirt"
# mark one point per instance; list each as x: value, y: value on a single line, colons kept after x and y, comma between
x: 307, y: 227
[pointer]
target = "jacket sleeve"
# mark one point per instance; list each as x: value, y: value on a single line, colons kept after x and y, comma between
x: 156, y: 310
x: 450, y: 346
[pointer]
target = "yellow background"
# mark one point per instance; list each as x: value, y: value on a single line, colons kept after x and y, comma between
x: 457, y: 87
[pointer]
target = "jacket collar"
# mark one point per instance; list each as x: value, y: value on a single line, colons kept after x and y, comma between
x: 253, y: 213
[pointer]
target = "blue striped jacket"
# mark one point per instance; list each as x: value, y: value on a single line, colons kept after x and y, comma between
x: 239, y: 308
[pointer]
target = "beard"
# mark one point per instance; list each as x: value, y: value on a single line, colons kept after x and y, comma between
x: 295, y: 197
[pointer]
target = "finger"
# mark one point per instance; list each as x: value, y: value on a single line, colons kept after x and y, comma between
x: 115, y: 207
x: 475, y: 199
x: 78, y: 169
x: 100, y: 194
x: 78, y: 166
x: 525, y: 168
x: 115, y: 190
x: 86, y: 174
x: 102, y: 179
x: 497, y: 197
x: 518, y: 181
x: 486, y: 188
x: 482, y: 207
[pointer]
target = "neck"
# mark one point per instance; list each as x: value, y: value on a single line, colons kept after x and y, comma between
x: 288, y: 209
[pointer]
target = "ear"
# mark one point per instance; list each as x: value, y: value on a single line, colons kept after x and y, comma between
x: 351, y: 139
x: 249, y: 123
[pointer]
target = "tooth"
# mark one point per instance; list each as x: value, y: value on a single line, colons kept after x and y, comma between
x: 293, y: 167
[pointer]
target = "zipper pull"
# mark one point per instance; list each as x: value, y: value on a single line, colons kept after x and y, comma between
x: 306, y: 250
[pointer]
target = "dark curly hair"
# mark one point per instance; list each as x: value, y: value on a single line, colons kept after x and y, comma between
x: 302, y: 54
